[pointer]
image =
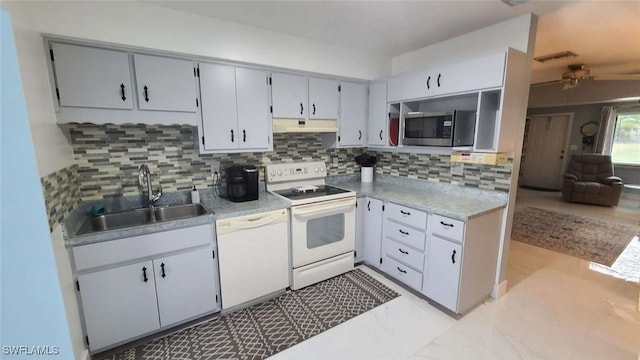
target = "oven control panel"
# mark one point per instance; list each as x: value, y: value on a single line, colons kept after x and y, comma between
x: 295, y: 171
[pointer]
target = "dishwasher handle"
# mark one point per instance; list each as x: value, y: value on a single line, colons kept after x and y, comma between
x: 226, y: 226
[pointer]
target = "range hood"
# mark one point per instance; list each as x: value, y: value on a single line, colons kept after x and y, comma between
x: 304, y: 126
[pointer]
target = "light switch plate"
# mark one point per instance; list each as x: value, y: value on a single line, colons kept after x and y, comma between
x: 334, y: 161
x: 457, y: 168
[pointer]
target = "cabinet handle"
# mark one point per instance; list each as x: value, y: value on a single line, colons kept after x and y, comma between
x: 163, y: 273
x: 359, y: 134
x: 403, y: 232
x: 428, y: 80
x: 405, y: 213
x: 404, y: 252
x: 380, y: 134
x: 453, y: 257
x: 438, y: 81
x: 146, y: 93
x: 445, y: 224
x: 244, y: 135
x: 402, y: 271
x: 144, y: 274
x: 369, y: 206
x: 122, y: 92
x: 314, y: 109
x: 301, y: 108
x: 232, y: 136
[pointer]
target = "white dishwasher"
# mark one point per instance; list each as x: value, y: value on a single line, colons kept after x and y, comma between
x: 253, y: 255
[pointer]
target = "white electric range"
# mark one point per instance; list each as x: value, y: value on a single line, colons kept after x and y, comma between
x: 322, y: 221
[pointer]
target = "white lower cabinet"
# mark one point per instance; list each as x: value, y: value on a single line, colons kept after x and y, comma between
x: 361, y: 207
x: 123, y: 302
x: 402, y: 272
x: 443, y: 272
x: 372, y: 233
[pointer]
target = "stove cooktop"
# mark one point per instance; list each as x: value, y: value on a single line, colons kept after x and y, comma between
x: 310, y: 192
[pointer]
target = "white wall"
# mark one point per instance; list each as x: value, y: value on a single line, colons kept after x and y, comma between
x: 146, y: 25
x: 587, y: 92
x: 514, y: 33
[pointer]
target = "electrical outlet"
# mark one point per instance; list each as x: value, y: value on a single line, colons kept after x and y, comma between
x: 457, y: 169
x: 215, y: 168
x: 334, y: 161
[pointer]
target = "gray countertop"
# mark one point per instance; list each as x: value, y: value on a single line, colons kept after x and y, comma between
x: 454, y: 201
x: 457, y: 202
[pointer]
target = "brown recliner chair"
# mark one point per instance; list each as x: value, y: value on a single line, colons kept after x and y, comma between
x: 590, y: 180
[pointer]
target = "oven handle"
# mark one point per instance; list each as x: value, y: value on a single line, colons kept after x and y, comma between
x: 323, y: 208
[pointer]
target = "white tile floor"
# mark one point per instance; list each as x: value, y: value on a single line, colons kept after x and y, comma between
x: 556, y: 308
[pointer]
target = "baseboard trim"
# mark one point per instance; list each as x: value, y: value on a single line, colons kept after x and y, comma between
x: 499, y: 290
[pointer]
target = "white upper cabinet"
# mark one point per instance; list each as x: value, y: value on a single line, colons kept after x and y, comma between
x: 254, y: 119
x: 165, y: 84
x: 235, y: 108
x: 480, y: 73
x: 353, y: 114
x: 323, y: 98
x: 92, y: 78
x: 377, y: 129
x: 289, y: 96
x: 219, y: 107
x: 411, y: 86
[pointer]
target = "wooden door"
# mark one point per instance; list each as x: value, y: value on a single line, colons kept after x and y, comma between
x: 219, y: 110
x: 254, y: 119
x: 165, y: 84
x: 544, y: 151
x: 90, y: 77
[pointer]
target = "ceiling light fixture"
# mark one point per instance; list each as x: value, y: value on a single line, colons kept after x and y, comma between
x: 514, y: 2
x: 555, y: 56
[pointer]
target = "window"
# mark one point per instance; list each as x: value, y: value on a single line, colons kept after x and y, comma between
x: 625, y: 147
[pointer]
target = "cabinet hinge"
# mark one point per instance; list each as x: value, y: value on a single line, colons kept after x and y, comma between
x: 380, y: 261
x: 339, y: 88
x: 77, y: 285
x: 198, y: 70
x: 356, y: 204
x: 86, y: 338
x: 194, y: 72
x: 271, y: 109
x: 270, y: 83
x: 51, y: 54
x: 58, y: 93
x: 382, y: 207
x: 203, y: 140
x: 197, y: 104
x: 214, y: 253
x: 216, y: 298
x: 355, y: 254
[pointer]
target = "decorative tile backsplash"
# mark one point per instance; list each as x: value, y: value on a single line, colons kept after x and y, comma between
x: 61, y: 191
x: 108, y: 157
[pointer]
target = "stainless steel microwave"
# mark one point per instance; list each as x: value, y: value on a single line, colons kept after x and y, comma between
x: 447, y: 128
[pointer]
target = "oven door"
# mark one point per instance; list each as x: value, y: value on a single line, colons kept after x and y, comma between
x: 322, y: 230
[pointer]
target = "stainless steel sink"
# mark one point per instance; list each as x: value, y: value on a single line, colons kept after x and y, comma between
x: 143, y: 216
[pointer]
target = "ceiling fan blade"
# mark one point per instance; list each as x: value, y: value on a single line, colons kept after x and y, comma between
x: 618, y: 77
x: 547, y: 83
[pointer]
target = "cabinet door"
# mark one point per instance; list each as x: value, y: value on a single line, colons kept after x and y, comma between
x: 378, y: 131
x: 89, y: 77
x: 219, y: 110
x: 411, y: 86
x: 353, y: 114
x: 289, y: 96
x: 361, y: 208
x: 119, y: 304
x: 479, y: 73
x: 186, y: 285
x: 165, y: 84
x: 372, y: 241
x: 254, y: 120
x: 444, y: 261
x: 323, y: 98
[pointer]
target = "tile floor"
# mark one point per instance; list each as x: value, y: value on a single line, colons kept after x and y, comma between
x: 556, y: 308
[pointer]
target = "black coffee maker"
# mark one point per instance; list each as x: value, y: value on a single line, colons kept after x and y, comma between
x: 242, y: 183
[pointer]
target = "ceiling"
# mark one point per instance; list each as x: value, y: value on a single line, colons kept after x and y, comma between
x: 606, y: 37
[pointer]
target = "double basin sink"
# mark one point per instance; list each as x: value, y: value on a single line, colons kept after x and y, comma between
x: 144, y: 216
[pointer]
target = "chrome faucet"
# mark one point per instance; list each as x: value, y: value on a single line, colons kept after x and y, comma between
x: 144, y: 178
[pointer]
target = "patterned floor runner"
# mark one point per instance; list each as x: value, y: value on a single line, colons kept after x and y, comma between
x: 265, y: 329
x: 595, y: 240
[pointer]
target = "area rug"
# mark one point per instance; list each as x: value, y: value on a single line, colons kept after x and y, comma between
x: 595, y: 240
x: 265, y: 329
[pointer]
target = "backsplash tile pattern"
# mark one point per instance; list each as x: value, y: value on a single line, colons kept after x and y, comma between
x: 108, y: 157
x: 436, y: 167
x: 61, y: 191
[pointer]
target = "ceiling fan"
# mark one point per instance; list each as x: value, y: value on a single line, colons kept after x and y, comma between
x: 575, y: 73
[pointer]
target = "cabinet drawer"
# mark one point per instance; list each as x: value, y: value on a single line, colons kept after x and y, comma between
x: 404, y: 234
x: 447, y: 227
x: 402, y: 273
x: 131, y: 248
x: 404, y: 254
x: 406, y: 215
